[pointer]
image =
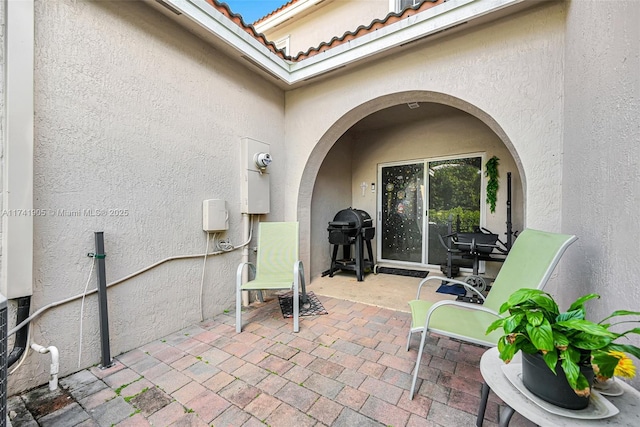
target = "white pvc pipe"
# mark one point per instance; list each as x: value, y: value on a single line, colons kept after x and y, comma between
x: 246, y: 235
x: 117, y: 282
x: 55, y: 365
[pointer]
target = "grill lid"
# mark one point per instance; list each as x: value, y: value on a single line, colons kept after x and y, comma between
x: 352, y: 218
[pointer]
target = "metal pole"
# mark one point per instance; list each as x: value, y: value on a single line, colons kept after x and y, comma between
x: 509, y: 225
x: 102, y: 301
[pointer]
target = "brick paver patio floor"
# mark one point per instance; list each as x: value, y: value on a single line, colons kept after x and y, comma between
x: 347, y: 368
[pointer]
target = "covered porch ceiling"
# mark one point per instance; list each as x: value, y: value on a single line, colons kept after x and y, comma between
x: 403, y: 114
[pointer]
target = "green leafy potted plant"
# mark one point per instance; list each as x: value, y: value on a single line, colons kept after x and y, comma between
x: 567, y: 343
x: 491, y: 172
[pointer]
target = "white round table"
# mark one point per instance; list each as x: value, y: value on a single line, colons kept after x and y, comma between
x: 494, y: 378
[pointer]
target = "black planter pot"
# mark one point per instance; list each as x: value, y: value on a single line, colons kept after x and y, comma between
x: 540, y: 380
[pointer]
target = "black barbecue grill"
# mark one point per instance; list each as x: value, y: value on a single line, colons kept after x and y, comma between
x: 351, y: 227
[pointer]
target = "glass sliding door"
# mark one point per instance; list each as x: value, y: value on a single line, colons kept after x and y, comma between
x: 454, y: 194
x: 402, y: 208
x: 416, y: 202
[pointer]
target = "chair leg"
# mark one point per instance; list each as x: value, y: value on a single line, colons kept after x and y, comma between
x: 417, y: 368
x: 296, y: 307
x: 409, y: 338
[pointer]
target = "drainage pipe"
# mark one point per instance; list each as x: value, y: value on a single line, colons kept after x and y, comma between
x: 55, y: 364
x: 20, y: 343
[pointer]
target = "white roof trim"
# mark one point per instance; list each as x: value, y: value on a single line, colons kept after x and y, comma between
x: 420, y: 25
x: 209, y: 18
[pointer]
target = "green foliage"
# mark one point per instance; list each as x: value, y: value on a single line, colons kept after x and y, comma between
x: 468, y: 218
x: 491, y: 172
x: 123, y: 386
x: 535, y: 324
x: 455, y: 184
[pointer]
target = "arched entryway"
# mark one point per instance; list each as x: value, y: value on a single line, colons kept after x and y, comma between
x: 390, y: 130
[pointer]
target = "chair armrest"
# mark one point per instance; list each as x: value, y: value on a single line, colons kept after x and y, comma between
x: 298, y: 278
x: 298, y: 269
x: 470, y: 306
x: 298, y: 272
x: 240, y: 270
x: 454, y: 281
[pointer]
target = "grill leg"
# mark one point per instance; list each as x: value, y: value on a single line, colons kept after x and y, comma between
x: 359, y: 263
x: 333, y: 260
x: 370, y: 251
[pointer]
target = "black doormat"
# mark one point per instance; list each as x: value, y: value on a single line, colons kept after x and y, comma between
x: 403, y: 272
x: 315, y: 306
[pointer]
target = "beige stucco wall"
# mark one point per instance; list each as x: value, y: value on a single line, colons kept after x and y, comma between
x: 328, y: 20
x: 509, y: 74
x: 601, y: 197
x: 133, y: 113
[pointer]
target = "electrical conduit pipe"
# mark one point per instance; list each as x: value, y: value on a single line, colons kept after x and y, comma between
x: 246, y: 236
x: 55, y: 365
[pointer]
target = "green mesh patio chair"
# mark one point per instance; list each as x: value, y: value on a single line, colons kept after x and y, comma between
x: 529, y: 264
x: 277, y: 267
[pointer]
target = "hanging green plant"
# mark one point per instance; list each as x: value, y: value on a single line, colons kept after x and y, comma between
x: 491, y: 172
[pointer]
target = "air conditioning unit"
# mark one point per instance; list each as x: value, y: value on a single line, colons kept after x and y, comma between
x: 3, y: 359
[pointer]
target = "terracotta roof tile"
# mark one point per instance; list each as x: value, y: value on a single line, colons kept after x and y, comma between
x: 376, y: 24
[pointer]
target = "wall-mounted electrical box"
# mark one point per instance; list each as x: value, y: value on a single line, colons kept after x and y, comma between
x: 215, y: 216
x: 254, y: 189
